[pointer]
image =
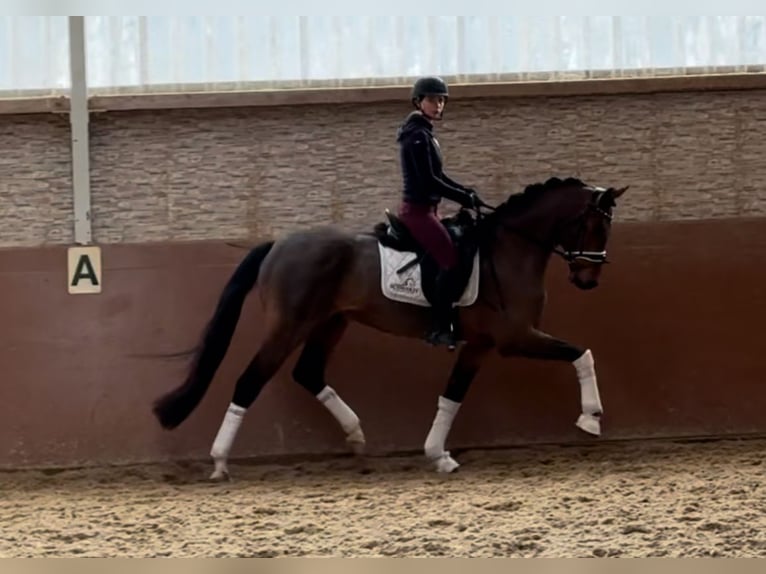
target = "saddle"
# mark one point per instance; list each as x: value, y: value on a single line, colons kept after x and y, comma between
x: 460, y: 227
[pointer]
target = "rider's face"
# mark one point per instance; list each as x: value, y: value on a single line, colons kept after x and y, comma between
x: 433, y: 106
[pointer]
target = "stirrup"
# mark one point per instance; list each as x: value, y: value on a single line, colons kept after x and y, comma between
x: 439, y: 337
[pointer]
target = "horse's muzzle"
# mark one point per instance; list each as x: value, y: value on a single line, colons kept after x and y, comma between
x: 585, y: 285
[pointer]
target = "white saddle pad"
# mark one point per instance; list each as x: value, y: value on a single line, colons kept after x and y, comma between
x: 407, y: 287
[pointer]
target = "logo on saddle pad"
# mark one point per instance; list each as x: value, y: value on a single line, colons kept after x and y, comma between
x: 407, y: 287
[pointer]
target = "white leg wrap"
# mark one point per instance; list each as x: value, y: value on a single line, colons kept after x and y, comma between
x: 590, y: 401
x: 586, y: 374
x: 347, y: 418
x: 228, y: 431
x: 437, y: 436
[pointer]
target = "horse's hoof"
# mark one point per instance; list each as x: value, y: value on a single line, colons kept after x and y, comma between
x: 356, y: 441
x: 220, y: 473
x: 590, y: 424
x: 446, y: 464
x: 219, y: 476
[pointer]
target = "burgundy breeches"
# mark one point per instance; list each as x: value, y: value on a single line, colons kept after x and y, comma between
x: 423, y: 223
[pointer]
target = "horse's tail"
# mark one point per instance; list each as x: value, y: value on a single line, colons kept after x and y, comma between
x: 173, y: 408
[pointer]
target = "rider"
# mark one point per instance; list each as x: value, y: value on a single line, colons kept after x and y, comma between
x: 425, y: 184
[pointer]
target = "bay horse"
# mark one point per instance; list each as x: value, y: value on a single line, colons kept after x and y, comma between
x: 313, y: 282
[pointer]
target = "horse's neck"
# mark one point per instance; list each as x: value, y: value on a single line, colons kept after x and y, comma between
x: 523, y: 244
x: 533, y: 227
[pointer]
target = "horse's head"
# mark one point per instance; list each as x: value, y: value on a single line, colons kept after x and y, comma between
x: 583, y: 238
x: 567, y: 217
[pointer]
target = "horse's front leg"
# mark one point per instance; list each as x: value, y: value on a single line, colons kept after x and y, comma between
x: 538, y: 345
x: 465, y: 369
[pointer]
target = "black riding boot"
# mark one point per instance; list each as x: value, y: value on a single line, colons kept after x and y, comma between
x: 442, y: 332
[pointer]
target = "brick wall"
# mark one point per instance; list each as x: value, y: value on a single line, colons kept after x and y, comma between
x: 35, y: 180
x: 246, y: 172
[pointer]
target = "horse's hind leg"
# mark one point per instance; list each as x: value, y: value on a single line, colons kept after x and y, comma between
x: 309, y: 372
x: 277, y: 346
x: 465, y: 369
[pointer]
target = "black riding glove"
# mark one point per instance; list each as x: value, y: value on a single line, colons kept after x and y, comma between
x: 473, y: 198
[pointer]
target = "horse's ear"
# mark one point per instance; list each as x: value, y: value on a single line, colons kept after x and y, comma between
x: 619, y: 191
x: 609, y: 198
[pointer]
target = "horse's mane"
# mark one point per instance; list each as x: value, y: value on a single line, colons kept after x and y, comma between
x: 518, y: 203
x: 532, y: 192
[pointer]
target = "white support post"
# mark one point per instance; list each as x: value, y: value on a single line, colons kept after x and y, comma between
x: 78, y: 118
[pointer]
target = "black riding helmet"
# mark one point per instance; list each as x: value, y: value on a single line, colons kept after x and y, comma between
x: 429, y: 86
